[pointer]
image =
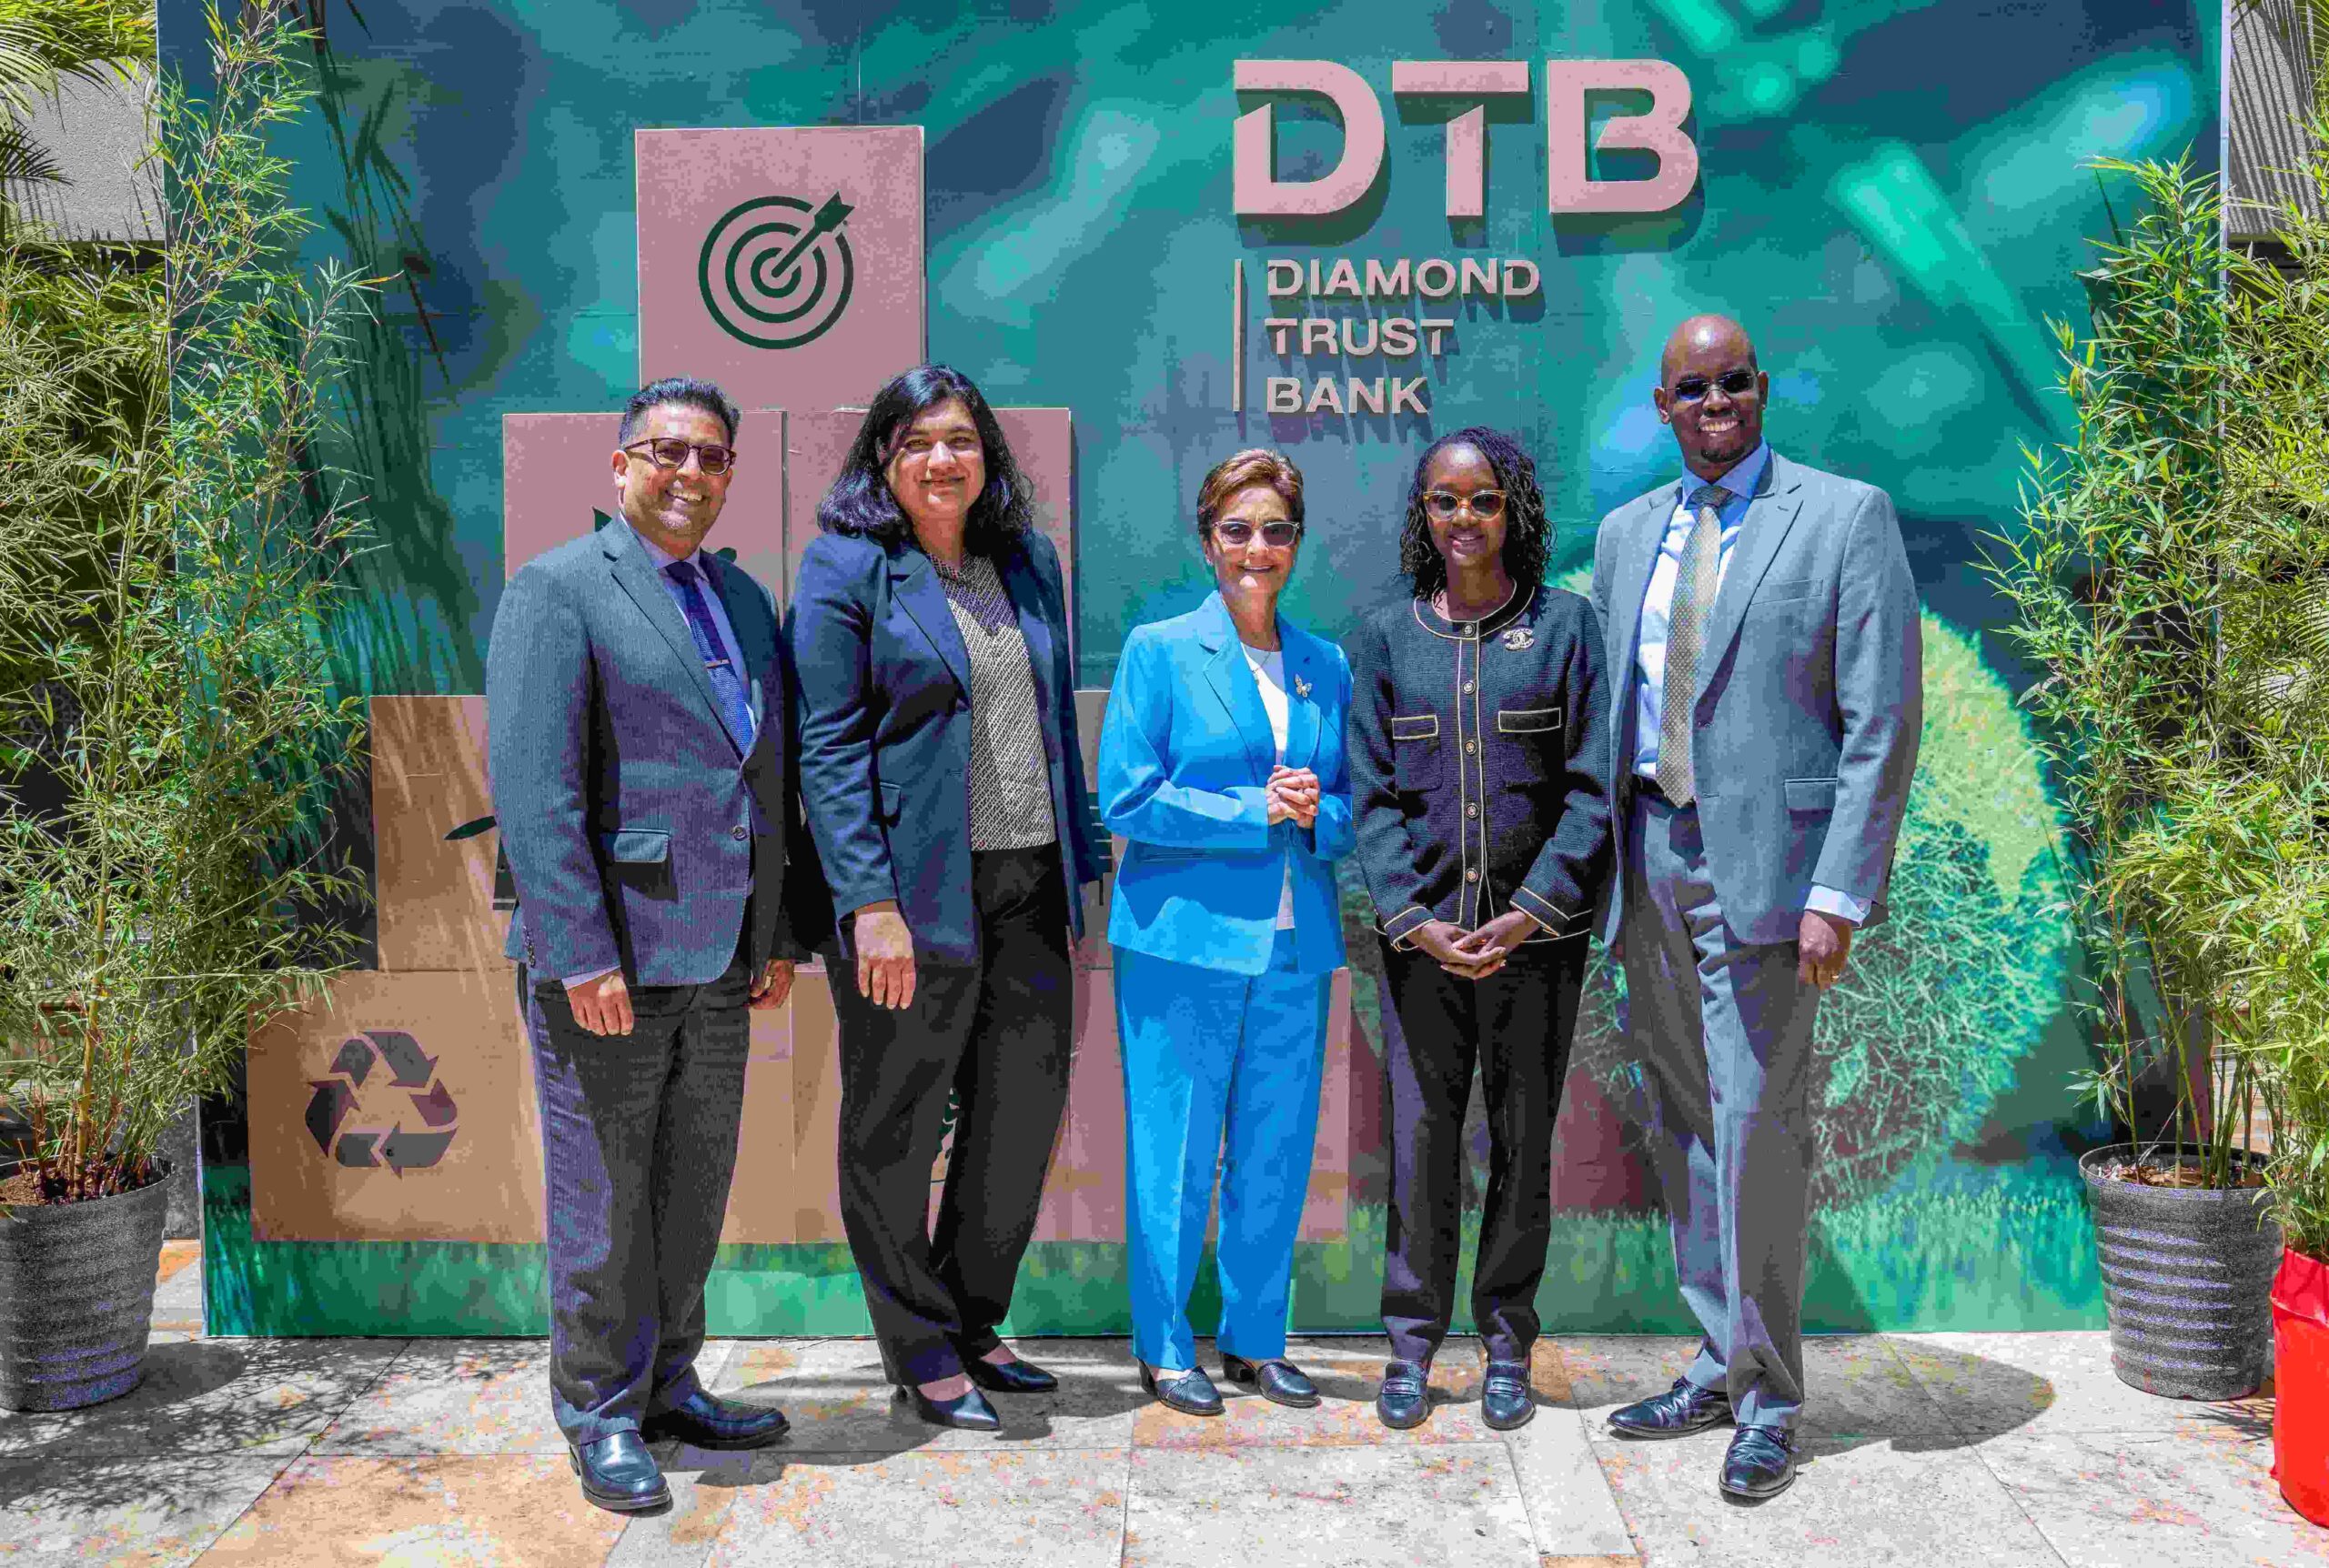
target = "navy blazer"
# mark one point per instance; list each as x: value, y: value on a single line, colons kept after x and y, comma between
x: 884, y: 732
x: 625, y: 807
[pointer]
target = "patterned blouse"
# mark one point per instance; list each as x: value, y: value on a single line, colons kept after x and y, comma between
x: 1011, y: 789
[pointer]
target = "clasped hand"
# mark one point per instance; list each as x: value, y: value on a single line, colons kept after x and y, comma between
x: 1292, y: 795
x: 1474, y: 954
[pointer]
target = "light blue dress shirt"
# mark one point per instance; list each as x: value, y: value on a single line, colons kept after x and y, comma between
x: 1649, y: 657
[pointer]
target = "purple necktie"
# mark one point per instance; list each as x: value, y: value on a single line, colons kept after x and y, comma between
x: 735, y: 707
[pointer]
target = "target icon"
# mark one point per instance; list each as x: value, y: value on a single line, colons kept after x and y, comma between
x: 775, y: 272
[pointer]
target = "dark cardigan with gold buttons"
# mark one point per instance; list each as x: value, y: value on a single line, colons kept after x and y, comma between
x: 1477, y: 759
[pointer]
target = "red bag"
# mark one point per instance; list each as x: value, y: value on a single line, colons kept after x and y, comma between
x: 2301, y: 1383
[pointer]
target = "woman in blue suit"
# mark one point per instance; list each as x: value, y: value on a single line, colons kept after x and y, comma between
x: 1221, y: 762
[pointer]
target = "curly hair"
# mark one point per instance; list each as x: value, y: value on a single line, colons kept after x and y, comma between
x: 861, y: 501
x: 1528, y: 537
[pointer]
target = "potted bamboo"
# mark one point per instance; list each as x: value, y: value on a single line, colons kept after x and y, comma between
x: 169, y: 731
x: 2124, y: 585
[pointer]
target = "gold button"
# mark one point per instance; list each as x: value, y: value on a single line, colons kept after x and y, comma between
x: 1473, y: 809
x: 1467, y: 688
x: 1473, y: 875
x: 1471, y: 745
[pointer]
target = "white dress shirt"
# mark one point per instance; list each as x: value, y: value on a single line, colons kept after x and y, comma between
x: 1656, y: 612
x: 1269, y: 674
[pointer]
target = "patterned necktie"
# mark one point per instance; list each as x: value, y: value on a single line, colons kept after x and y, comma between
x: 735, y: 707
x: 1696, y: 579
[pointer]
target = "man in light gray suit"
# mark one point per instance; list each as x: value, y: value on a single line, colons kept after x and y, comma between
x: 635, y: 700
x: 1763, y: 622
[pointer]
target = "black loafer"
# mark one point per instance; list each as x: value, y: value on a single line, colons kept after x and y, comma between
x: 968, y: 1412
x: 619, y: 1474
x: 1685, y: 1407
x: 1191, y: 1393
x: 1405, y: 1398
x: 1279, y: 1380
x: 700, y: 1421
x: 1760, y: 1464
x: 1008, y: 1377
x: 1505, y: 1400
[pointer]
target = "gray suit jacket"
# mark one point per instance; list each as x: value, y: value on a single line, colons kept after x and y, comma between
x: 1811, y: 694
x: 625, y: 807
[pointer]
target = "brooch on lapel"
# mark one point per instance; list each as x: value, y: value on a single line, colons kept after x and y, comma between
x: 1301, y: 687
x: 1518, y: 637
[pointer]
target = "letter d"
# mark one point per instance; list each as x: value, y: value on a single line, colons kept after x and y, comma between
x: 1257, y: 190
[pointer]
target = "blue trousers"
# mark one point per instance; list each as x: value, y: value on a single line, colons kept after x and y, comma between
x: 1221, y: 1072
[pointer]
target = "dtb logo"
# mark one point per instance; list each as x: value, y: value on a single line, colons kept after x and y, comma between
x: 1568, y: 188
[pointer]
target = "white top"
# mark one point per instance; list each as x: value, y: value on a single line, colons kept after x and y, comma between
x: 1269, y: 674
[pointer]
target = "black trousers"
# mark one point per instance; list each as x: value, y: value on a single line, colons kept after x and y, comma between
x: 1516, y: 1025
x: 996, y: 1036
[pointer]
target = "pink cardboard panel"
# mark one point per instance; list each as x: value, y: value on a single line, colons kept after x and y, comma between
x: 1083, y: 1200
x: 760, y: 1200
x: 557, y: 480
x: 1091, y: 710
x: 435, y: 898
x: 400, y: 1110
x: 784, y: 264
x: 1325, y: 1209
x: 813, y: 1194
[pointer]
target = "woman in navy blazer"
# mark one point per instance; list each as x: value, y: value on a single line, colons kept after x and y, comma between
x: 1222, y: 761
x: 937, y: 726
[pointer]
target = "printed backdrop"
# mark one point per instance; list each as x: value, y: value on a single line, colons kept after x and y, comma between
x: 799, y: 199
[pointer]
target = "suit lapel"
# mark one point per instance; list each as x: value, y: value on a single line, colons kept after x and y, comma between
x: 1303, y: 674
x: 634, y: 572
x: 1769, y: 515
x: 1227, y: 673
x: 1026, y: 591
x: 755, y: 637
x: 1637, y: 560
x: 915, y: 583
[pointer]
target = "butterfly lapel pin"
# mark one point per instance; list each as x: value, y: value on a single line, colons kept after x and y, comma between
x: 1301, y: 687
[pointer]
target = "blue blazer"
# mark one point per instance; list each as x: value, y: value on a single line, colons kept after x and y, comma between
x: 1183, y: 756
x: 625, y: 808
x: 884, y: 734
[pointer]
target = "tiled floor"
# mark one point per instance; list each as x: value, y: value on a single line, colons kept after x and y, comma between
x: 1958, y: 1450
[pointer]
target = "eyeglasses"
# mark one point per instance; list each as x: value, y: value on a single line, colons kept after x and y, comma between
x: 1485, y: 504
x: 963, y: 444
x: 670, y: 452
x: 1237, y: 533
x: 1734, y: 383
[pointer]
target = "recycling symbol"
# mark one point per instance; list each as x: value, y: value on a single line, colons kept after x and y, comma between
x: 337, y: 1097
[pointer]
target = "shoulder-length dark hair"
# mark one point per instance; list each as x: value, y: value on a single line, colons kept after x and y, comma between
x: 861, y: 501
x: 1527, y: 538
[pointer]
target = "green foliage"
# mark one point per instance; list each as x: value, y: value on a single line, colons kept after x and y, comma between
x: 2169, y: 583
x: 167, y: 576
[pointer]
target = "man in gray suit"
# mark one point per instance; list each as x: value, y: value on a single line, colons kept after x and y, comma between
x: 1764, y: 622
x: 637, y: 700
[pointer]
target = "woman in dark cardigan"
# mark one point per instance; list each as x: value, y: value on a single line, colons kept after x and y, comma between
x: 1477, y: 728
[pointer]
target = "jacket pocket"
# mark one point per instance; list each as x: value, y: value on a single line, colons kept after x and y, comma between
x: 1792, y: 591
x: 637, y: 847
x: 1811, y: 794
x: 1528, y: 720
x: 892, y: 800
x: 1415, y: 753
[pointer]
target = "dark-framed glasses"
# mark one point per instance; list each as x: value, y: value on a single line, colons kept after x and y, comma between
x: 670, y: 452
x: 1734, y: 383
x: 1237, y: 533
x: 1446, y: 504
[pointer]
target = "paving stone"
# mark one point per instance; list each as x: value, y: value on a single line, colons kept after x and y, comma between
x: 1853, y: 1384
x: 1452, y: 1505
x: 2165, y: 1499
x: 1855, y: 1503
x: 132, y: 1510
x: 513, y: 1510
x: 213, y: 1396
x: 840, y: 1402
x: 1347, y: 1370
x: 2053, y: 1383
x: 1571, y: 1512
x: 177, y: 1287
x: 454, y: 1396
x: 1062, y: 1507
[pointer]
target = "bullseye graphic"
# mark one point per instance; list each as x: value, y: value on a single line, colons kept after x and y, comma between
x: 774, y: 273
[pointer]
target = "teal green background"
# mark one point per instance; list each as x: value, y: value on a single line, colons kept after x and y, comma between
x: 1893, y: 197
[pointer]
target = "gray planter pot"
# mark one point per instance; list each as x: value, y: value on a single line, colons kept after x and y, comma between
x: 76, y: 1297
x: 2187, y: 1274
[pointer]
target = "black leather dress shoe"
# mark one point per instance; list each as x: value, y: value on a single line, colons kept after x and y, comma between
x: 1405, y: 1398
x: 619, y: 1474
x: 1008, y: 1377
x: 1504, y: 1399
x: 1760, y: 1464
x: 970, y: 1410
x: 1685, y: 1407
x: 1191, y: 1393
x: 700, y: 1421
x: 1279, y: 1380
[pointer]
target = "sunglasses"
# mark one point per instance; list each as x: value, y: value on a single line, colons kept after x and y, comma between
x: 1734, y: 383
x: 1482, y: 504
x: 670, y: 452
x: 1237, y: 533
